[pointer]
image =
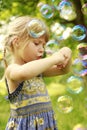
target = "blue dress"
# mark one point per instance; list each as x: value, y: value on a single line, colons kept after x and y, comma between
x: 31, y: 107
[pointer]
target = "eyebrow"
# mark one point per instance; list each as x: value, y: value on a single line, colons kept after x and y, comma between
x: 40, y: 41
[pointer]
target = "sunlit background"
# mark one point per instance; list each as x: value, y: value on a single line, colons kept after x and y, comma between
x: 67, y: 24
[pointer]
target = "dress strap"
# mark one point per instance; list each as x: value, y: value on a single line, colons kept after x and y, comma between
x: 7, y: 86
x: 11, y: 96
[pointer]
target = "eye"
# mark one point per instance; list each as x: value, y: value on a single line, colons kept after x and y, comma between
x: 36, y: 43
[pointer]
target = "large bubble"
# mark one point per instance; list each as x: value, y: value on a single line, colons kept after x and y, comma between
x: 36, y: 28
x: 47, y: 11
x: 67, y: 11
x: 64, y: 3
x: 65, y: 104
x: 75, y: 84
x: 79, y: 32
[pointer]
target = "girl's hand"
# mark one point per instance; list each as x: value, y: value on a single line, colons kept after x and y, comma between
x: 67, y: 54
x: 62, y: 57
x: 58, y: 57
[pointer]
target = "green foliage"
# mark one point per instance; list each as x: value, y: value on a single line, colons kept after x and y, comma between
x: 17, y: 8
x: 9, y: 8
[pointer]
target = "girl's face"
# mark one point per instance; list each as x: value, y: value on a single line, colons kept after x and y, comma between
x: 34, y: 50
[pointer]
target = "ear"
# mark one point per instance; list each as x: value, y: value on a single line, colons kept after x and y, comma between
x: 15, y: 41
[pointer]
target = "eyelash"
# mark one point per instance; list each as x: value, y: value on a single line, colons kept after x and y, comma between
x: 38, y: 44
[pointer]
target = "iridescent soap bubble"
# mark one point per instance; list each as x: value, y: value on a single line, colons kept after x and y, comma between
x: 47, y: 11
x: 82, y: 47
x: 77, y: 66
x: 64, y: 3
x: 84, y: 60
x: 36, y: 28
x: 51, y: 47
x: 74, y: 84
x: 83, y: 72
x: 39, y: 5
x: 79, y: 32
x: 65, y: 104
x: 80, y: 127
x: 67, y: 11
x: 84, y: 63
x: 84, y: 57
x: 84, y: 9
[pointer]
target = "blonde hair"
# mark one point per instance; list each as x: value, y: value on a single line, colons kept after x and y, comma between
x: 17, y: 27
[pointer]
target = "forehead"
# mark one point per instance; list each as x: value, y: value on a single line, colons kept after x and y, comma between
x: 40, y: 40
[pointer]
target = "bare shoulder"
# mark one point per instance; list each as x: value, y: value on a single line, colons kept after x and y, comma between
x: 11, y: 71
x: 12, y: 84
x: 11, y: 68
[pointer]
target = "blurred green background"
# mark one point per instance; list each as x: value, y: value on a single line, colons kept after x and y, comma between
x: 75, y: 101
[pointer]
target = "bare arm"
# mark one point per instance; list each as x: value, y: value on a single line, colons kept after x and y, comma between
x: 55, y: 71
x: 31, y: 69
x: 64, y: 68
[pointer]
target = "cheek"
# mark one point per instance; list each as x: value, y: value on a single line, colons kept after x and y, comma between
x: 30, y: 51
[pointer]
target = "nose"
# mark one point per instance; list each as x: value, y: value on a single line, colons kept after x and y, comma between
x: 41, y: 49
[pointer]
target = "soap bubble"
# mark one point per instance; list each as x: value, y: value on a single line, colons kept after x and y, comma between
x: 36, y: 28
x: 51, y: 47
x: 82, y: 47
x: 75, y: 84
x: 84, y: 57
x: 47, y: 11
x: 84, y: 9
x: 80, y: 127
x: 84, y: 63
x: 83, y: 72
x: 64, y: 3
x: 67, y: 11
x: 78, y: 32
x: 65, y: 104
x: 77, y: 66
x: 40, y: 4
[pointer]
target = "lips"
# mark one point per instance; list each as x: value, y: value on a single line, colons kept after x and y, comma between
x: 39, y: 57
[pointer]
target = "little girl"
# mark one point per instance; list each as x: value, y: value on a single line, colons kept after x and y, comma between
x: 30, y: 104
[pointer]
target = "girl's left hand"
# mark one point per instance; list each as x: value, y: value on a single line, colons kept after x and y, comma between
x: 60, y: 67
x: 67, y: 54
